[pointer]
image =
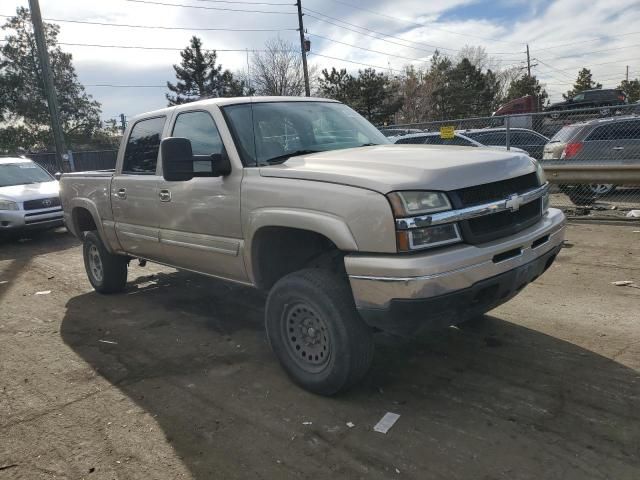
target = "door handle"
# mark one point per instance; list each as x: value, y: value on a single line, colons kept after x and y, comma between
x: 165, y: 195
x: 618, y: 148
x: 122, y: 193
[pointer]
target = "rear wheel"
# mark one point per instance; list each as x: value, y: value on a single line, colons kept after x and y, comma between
x: 316, y: 333
x: 107, y: 272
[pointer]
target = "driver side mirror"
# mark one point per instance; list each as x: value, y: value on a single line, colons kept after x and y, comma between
x: 177, y: 159
x: 57, y: 175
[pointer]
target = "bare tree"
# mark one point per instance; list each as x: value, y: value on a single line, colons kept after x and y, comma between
x: 278, y: 70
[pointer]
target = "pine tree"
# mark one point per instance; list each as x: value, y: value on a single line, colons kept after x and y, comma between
x: 527, y: 85
x: 583, y: 82
x: 24, y: 115
x: 631, y: 88
x: 199, y: 77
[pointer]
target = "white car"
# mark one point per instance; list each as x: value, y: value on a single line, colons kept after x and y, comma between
x: 434, y: 138
x: 29, y: 196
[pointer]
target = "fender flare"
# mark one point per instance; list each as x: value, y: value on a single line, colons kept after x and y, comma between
x: 331, y: 226
x: 93, y: 211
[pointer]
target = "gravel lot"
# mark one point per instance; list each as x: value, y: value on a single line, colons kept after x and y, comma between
x: 174, y: 379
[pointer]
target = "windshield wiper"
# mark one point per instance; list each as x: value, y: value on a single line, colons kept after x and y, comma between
x: 286, y: 156
x: 368, y: 145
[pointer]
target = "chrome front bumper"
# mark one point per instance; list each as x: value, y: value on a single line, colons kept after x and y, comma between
x: 376, y: 280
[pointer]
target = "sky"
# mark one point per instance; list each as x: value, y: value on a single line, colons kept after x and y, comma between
x: 563, y: 36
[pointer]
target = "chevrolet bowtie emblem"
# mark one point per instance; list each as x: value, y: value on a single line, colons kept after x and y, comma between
x: 513, y: 202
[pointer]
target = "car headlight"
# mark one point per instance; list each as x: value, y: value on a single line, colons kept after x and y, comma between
x: 416, y: 203
x: 407, y: 204
x: 8, y: 205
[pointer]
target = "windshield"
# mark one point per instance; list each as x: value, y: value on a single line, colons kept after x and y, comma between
x: 22, y: 173
x: 565, y: 134
x: 271, y: 132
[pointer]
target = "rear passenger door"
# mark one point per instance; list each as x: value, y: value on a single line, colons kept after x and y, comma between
x: 134, y: 190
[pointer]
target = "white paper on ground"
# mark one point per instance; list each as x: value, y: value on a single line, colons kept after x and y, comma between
x: 386, y: 422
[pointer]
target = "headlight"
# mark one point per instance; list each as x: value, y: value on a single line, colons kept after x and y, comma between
x: 8, y: 205
x: 419, y: 238
x: 416, y: 203
x: 407, y: 204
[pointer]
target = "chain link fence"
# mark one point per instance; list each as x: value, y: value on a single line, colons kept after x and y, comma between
x: 591, y: 155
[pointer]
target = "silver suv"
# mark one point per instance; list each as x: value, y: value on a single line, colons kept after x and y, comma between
x: 598, y: 141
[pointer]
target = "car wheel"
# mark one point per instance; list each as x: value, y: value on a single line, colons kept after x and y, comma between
x: 107, y: 272
x: 316, y: 332
x: 580, y: 195
x: 601, y: 189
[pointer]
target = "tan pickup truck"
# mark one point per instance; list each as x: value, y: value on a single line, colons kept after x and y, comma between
x: 307, y: 200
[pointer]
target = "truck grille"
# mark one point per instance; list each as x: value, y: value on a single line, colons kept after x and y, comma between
x: 490, y: 192
x: 42, y: 203
x: 502, y: 224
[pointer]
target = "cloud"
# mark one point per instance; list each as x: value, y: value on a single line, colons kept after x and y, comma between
x: 503, y: 27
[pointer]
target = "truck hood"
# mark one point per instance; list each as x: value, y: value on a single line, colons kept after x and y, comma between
x: 385, y: 168
x: 30, y: 191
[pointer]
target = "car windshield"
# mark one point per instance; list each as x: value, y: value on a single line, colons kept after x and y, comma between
x: 272, y: 132
x: 565, y: 134
x: 22, y: 173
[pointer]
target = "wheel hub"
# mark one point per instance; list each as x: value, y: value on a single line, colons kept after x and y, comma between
x: 307, y: 336
x: 95, y: 263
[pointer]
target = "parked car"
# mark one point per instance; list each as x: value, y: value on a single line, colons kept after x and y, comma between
x: 602, y: 97
x: 604, y: 140
x: 528, y: 140
x: 434, y: 138
x: 526, y: 104
x: 29, y: 197
x: 396, y: 132
x: 305, y: 199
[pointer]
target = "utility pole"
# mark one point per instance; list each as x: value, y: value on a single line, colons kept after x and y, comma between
x: 528, y: 62
x: 627, y: 75
x: 47, y: 78
x: 123, y: 122
x: 303, y: 49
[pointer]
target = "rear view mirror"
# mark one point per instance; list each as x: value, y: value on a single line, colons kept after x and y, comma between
x: 177, y: 159
x: 57, y: 175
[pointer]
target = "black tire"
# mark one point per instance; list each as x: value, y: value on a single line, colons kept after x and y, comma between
x: 580, y: 195
x: 113, y: 268
x: 313, y: 310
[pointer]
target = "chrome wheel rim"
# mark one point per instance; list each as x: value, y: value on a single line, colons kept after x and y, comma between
x: 95, y: 264
x: 601, y: 188
x: 306, y: 336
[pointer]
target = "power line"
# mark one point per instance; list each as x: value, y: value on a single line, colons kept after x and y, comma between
x: 598, y: 64
x: 358, y: 63
x: 213, y: 29
x: 422, y: 24
x: 553, y: 68
x: 248, y: 3
x: 110, y: 85
x: 225, y: 9
x: 366, y: 49
x: 140, y: 47
x: 582, y: 54
x: 595, y: 39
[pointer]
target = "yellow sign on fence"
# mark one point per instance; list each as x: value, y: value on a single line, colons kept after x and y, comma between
x: 447, y: 133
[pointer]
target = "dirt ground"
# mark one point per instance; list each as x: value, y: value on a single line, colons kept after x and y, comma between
x: 174, y: 379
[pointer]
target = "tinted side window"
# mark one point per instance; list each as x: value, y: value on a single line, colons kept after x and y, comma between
x: 627, y: 131
x: 493, y: 138
x: 200, y: 128
x: 524, y: 138
x: 205, y: 139
x: 141, y: 154
x: 604, y: 132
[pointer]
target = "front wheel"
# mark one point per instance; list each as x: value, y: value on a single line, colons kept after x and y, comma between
x: 315, y: 331
x: 107, y: 272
